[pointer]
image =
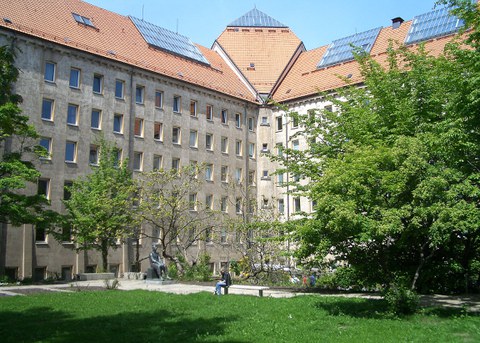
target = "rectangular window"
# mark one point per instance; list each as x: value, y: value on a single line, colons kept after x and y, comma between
x: 138, y: 161
x: 209, y: 112
x: 96, y: 119
x: 265, y: 147
x: 158, y: 131
x: 209, y: 141
x: 67, y: 194
x: 279, y: 147
x: 93, y: 157
x: 74, y: 81
x: 238, y: 148
x: 295, y: 122
x: 49, y: 72
x: 209, y: 172
x: 72, y: 115
x: 224, y: 117
x: 280, y: 179
x: 296, y: 144
x: 238, y: 175
x: 47, y: 109
x: 71, y: 152
x: 224, y: 174
x: 40, y: 236
x: 209, y: 202
x: 238, y: 120
x: 98, y: 84
x: 118, y: 123
x: 251, y: 124
x: 264, y: 121
x: 238, y: 205
x: 251, y: 150
x: 251, y: 177
x: 119, y: 89
x: 193, y: 108
x: 223, y: 235
x: 279, y: 123
x: 224, y: 145
x: 193, y: 139
x: 296, y: 204
x: 224, y: 204
x: 46, y: 143
x: 138, y: 130
x: 176, y: 135
x: 118, y: 157
x: 157, y: 162
x: 192, y: 201
x: 281, y: 206
x: 177, y: 106
x: 176, y: 164
x: 43, y: 187
x: 139, y: 94
x: 158, y: 99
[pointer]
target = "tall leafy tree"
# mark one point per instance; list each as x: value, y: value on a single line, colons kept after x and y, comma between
x: 101, y: 208
x: 18, y: 147
x: 395, y: 169
x: 170, y: 207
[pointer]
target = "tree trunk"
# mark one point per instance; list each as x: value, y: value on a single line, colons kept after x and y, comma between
x: 105, y: 256
x: 423, y: 260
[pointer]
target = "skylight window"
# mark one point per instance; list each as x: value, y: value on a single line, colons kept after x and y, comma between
x: 433, y: 24
x: 164, y: 39
x: 83, y: 20
x: 341, y: 50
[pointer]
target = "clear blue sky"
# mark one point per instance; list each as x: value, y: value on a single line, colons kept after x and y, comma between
x: 315, y: 22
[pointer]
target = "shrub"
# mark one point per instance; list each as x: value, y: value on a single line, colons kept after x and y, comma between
x: 401, y: 300
x: 111, y: 284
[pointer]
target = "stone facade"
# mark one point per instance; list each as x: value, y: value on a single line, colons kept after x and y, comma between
x: 27, y: 253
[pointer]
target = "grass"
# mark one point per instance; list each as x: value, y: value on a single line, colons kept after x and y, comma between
x: 145, y: 316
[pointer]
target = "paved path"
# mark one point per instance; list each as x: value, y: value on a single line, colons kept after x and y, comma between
x: 471, y: 302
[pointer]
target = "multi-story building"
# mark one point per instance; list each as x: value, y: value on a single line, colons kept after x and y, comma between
x: 167, y: 102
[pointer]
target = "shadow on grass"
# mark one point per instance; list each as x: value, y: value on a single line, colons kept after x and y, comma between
x: 354, y: 307
x: 44, y: 324
x: 378, y: 309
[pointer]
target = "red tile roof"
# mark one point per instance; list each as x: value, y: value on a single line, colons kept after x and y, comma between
x: 52, y: 20
x: 306, y: 80
x: 268, y: 48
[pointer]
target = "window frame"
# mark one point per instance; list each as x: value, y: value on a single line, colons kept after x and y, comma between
x: 238, y: 120
x: 94, y: 148
x: 100, y: 79
x: 48, y: 140
x: 158, y: 99
x: 76, y: 109
x: 51, y: 109
x: 139, y: 94
x: 139, y: 127
x: 224, y: 145
x: 115, y: 117
x: 178, y: 140
x: 158, y: 136
x: 120, y: 83
x: 195, y: 141
x: 224, y: 117
x: 159, y: 158
x: 209, y: 112
x: 138, y: 161
x: 99, y: 127
x: 193, y: 108
x: 53, y: 72
x: 177, y: 104
x: 79, y: 73
x: 74, y: 152
x: 209, y: 147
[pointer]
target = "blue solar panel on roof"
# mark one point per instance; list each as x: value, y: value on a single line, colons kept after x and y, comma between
x: 167, y: 40
x: 341, y: 50
x: 433, y: 24
x: 256, y: 18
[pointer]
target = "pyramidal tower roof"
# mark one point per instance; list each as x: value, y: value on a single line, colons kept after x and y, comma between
x: 256, y: 18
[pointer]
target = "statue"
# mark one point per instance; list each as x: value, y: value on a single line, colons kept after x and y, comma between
x: 157, y: 264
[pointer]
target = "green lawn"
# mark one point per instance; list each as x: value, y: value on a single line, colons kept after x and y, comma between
x: 145, y: 316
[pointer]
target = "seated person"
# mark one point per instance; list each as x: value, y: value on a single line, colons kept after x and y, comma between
x: 226, y: 281
x: 157, y: 264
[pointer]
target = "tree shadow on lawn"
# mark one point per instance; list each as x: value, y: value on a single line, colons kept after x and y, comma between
x: 44, y: 324
x: 378, y: 309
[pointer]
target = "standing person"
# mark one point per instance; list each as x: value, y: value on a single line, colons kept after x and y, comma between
x: 313, y: 280
x: 226, y: 281
x: 304, y: 281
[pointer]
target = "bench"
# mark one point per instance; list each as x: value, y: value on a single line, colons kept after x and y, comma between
x: 260, y: 289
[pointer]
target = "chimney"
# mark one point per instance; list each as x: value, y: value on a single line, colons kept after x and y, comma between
x: 396, y: 22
